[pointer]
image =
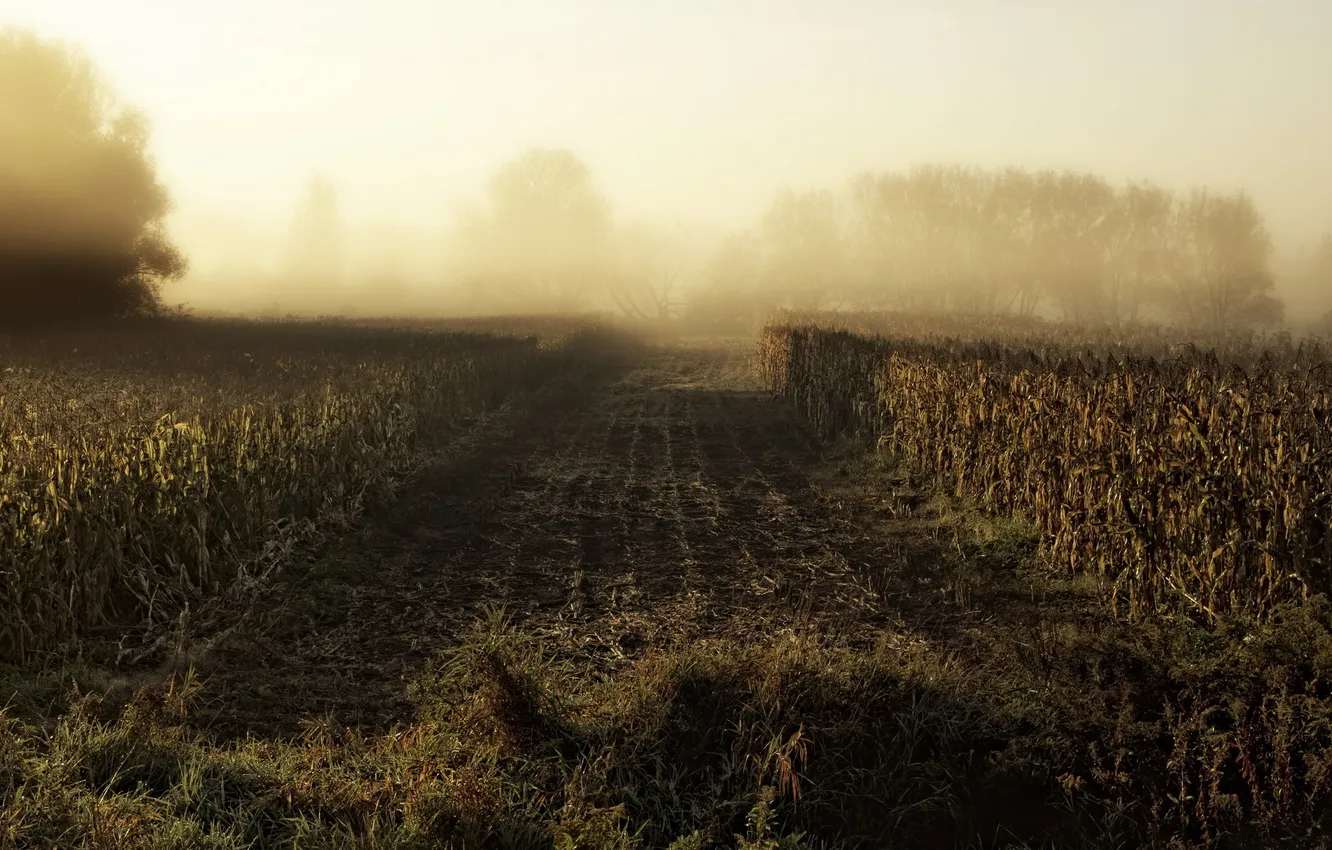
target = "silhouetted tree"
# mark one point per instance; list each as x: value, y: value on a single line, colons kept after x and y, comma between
x: 647, y: 271
x: 925, y: 220
x: 81, y: 209
x: 805, y: 249
x: 1074, y: 217
x: 940, y: 237
x: 732, y: 282
x: 998, y: 278
x: 1223, y: 280
x: 1142, y: 252
x: 544, y: 241
x: 877, y: 277
x: 317, y: 248
x: 1322, y: 260
x: 1318, y: 272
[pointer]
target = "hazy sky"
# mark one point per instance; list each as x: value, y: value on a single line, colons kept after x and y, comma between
x: 702, y: 109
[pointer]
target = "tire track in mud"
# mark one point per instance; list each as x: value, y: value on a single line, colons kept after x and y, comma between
x: 668, y: 503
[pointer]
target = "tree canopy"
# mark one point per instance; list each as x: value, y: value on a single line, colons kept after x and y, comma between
x: 944, y: 237
x: 82, y: 212
x: 316, y: 252
x: 543, y: 242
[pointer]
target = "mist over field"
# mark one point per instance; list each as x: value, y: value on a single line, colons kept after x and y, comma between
x: 769, y: 425
x: 1102, y: 163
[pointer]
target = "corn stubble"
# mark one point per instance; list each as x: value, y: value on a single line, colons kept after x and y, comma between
x: 137, y: 474
x: 1191, y: 479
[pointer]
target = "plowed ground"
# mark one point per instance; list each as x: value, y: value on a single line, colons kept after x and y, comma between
x: 668, y: 500
x: 706, y: 604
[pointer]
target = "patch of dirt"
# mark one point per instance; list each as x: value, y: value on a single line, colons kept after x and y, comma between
x: 674, y: 501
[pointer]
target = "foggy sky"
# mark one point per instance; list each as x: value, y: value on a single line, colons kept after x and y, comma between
x: 701, y: 110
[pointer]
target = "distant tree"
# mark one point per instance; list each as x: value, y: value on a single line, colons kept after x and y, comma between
x: 1319, y: 273
x: 1322, y: 259
x: 952, y: 200
x: 1074, y: 218
x: 942, y: 236
x: 544, y: 240
x: 82, y: 212
x: 731, y: 282
x: 998, y: 280
x: 888, y: 240
x: 877, y: 278
x: 1141, y: 252
x: 805, y: 249
x: 317, y: 248
x: 647, y: 271
x: 922, y: 216
x: 1222, y: 277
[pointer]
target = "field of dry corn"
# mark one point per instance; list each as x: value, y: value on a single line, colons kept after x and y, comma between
x: 535, y: 583
x: 1187, y: 477
x: 141, y: 471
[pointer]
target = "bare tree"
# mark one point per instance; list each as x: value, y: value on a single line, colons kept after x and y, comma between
x: 1223, y: 280
x: 1073, y: 222
x: 648, y: 271
x: 1141, y: 252
x: 805, y: 249
x: 1317, y: 275
x: 732, y: 282
x: 548, y: 227
x: 938, y: 235
x: 317, y: 249
x: 930, y: 222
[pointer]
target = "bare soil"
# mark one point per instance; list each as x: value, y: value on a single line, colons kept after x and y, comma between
x: 668, y: 500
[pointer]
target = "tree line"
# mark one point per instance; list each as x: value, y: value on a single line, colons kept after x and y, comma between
x: 82, y: 234
x: 1008, y: 241
x: 934, y: 238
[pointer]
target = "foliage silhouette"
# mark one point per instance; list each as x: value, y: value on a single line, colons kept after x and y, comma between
x: 544, y: 242
x: 1008, y: 242
x: 316, y: 252
x: 81, y: 209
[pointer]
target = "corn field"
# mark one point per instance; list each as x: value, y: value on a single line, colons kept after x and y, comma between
x: 140, y: 470
x: 1189, y: 478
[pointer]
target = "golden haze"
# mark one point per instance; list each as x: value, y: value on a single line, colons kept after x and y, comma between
x: 690, y: 120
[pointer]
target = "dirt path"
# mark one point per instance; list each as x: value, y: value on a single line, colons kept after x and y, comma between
x: 670, y: 501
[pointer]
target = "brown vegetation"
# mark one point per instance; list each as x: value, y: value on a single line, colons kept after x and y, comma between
x: 720, y: 631
x: 939, y: 574
x: 1191, y: 479
x: 142, y: 472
